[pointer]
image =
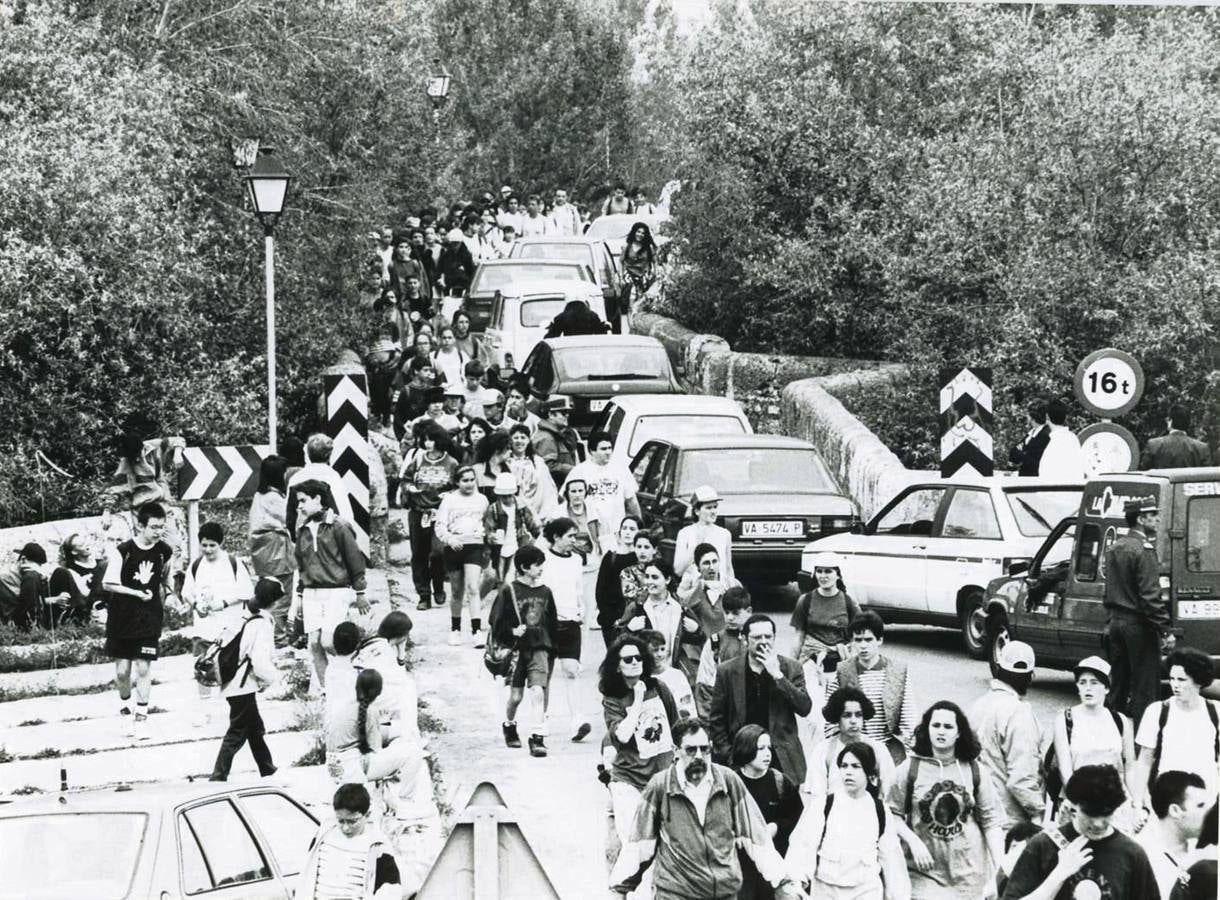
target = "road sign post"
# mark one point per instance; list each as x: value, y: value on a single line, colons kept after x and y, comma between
x: 966, y: 421
x: 347, y: 424
x: 1109, y: 383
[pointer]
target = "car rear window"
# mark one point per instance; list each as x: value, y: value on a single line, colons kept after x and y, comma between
x: 671, y: 426
x: 580, y: 253
x: 536, y: 313
x: 612, y: 363
x: 90, y: 855
x: 754, y: 470
x: 1203, y: 534
x: 497, y: 278
x: 1038, y: 511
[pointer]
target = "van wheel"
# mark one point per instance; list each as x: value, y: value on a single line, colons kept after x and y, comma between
x: 998, y: 636
x: 974, y: 624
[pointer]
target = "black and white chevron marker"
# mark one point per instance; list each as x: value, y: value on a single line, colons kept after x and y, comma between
x: 347, y: 424
x: 219, y: 473
x: 966, y: 421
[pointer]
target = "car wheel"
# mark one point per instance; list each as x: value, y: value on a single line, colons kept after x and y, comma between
x: 998, y: 636
x: 974, y: 624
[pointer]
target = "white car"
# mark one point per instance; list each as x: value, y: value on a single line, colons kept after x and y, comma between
x: 927, y: 557
x: 633, y: 419
x: 614, y: 228
x: 522, y: 312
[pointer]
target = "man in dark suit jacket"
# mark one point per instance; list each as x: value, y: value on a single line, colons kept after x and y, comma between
x: 763, y: 688
x: 1028, y: 454
x: 1176, y: 450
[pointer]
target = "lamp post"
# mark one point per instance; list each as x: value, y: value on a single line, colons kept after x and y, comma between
x: 267, y: 185
x: 438, y: 89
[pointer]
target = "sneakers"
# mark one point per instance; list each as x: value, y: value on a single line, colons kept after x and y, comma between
x: 423, y: 604
x: 480, y: 640
x: 124, y: 710
x: 438, y: 600
x: 582, y: 732
x: 456, y: 639
x: 511, y: 738
x: 537, y: 747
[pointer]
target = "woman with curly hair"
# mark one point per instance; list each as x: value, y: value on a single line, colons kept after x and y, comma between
x: 849, y: 708
x: 951, y: 809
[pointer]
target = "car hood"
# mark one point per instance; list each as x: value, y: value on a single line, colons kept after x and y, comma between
x: 811, y: 504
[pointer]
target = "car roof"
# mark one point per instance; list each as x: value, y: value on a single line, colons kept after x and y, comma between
x: 968, y: 479
x: 1202, y: 473
x: 143, y: 797
x: 736, y: 441
x: 549, y: 287
x: 603, y: 340
x: 651, y: 403
x: 560, y: 239
x: 532, y: 261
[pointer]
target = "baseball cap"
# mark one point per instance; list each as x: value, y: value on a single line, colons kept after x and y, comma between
x: 505, y: 191
x: 1017, y: 656
x: 492, y: 397
x: 34, y: 553
x: 1146, y: 505
x: 705, y: 493
x: 506, y: 484
x: 454, y: 234
x: 558, y: 403
x: 826, y: 560
x: 453, y: 390
x: 1096, y: 665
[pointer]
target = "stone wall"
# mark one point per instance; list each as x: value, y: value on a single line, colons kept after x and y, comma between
x: 800, y: 396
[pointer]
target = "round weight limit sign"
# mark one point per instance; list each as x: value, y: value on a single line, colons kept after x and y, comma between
x: 1109, y: 383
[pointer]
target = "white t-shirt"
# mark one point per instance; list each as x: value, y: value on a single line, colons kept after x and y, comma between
x: 684, y: 698
x: 1189, y: 742
x: 210, y: 587
x: 1165, y: 866
x: 609, y: 488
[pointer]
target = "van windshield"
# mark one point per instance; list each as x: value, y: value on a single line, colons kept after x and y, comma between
x: 91, y: 854
x: 1038, y: 510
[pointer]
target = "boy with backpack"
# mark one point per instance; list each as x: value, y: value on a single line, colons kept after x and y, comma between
x: 244, y: 665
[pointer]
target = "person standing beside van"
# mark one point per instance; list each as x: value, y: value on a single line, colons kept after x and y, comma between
x: 1137, y: 626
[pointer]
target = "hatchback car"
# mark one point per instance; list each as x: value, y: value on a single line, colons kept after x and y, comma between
x: 507, y: 275
x: 592, y: 369
x: 633, y: 419
x: 521, y: 314
x: 775, y: 494
x: 1056, y: 604
x: 930, y: 553
x: 167, y: 840
x: 591, y: 252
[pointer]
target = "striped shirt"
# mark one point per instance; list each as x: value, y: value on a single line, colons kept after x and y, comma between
x: 872, y: 683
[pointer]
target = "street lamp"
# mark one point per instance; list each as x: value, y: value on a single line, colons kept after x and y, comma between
x: 438, y: 89
x: 267, y: 185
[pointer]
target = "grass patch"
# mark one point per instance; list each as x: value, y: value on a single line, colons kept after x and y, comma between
x: 5, y: 756
x: 437, y: 774
x: 306, y: 717
x: 76, y: 652
x: 28, y: 722
x: 153, y: 710
x: 45, y: 753
x: 26, y: 790
x: 429, y: 723
x: 296, y: 681
x: 7, y: 695
x: 315, y: 755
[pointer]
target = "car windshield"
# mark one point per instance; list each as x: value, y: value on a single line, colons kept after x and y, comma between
x: 615, y: 228
x: 754, y: 470
x: 612, y: 363
x: 537, y: 313
x: 489, y: 279
x: 580, y: 253
x: 90, y: 854
x: 692, y: 425
x: 1037, y: 511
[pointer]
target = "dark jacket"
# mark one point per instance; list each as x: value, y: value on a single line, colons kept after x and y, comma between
x: 559, y: 449
x: 1176, y: 450
x: 496, y: 519
x: 576, y: 319
x: 788, y: 699
x: 455, y: 267
x: 1133, y: 579
x: 1028, y: 455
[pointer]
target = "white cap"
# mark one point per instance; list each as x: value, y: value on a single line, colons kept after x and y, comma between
x: 454, y: 234
x: 705, y: 493
x: 826, y: 560
x: 506, y: 484
x: 1017, y: 656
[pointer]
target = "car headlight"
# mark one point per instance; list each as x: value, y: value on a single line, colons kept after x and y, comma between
x: 831, y: 524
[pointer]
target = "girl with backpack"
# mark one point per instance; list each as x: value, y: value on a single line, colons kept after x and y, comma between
x: 777, y: 797
x: 953, y: 812
x: 1090, y: 733
x: 845, y: 847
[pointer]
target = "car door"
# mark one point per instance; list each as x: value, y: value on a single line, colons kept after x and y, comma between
x: 1082, y: 614
x: 221, y: 858
x: 647, y: 468
x: 888, y: 569
x: 1040, y: 601
x: 284, y: 827
x: 965, y: 549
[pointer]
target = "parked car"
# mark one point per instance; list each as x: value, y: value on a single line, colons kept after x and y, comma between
x: 1055, y: 605
x: 593, y: 369
x: 521, y: 314
x: 776, y: 494
x: 632, y: 419
x: 513, y: 274
x: 930, y: 553
x: 592, y: 252
x: 164, y: 840
x: 614, y: 228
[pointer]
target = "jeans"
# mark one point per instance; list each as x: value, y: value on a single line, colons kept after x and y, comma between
x: 1134, y: 648
x: 245, y: 725
x: 427, y: 565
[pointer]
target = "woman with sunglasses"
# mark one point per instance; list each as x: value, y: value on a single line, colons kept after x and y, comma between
x: 640, y: 713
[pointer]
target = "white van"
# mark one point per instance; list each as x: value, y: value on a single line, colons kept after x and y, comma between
x: 521, y: 314
x: 633, y: 419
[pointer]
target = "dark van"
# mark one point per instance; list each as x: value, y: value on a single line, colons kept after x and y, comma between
x: 1056, y: 605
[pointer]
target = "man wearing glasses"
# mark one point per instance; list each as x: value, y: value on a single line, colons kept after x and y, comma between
x: 690, y: 821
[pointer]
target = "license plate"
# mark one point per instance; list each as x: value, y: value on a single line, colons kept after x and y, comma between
x: 1199, y: 609
x: 784, y: 528
x: 598, y: 405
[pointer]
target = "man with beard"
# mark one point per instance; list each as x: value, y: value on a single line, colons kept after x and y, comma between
x: 691, y: 821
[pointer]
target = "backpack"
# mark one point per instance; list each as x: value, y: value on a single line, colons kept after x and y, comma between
x: 498, y: 658
x: 220, y: 661
x: 878, y: 807
x: 195, y: 565
x: 1160, y: 737
x: 1050, y: 762
x: 913, y: 773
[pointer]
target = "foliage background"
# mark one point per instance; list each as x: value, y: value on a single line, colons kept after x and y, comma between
x: 1003, y: 185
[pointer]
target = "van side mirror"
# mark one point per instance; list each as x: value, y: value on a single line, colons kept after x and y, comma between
x: 1018, y: 567
x: 857, y: 527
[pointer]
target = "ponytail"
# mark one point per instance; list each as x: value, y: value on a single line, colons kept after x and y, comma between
x: 368, y: 689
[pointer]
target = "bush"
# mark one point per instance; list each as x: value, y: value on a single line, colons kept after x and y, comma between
x: 78, y: 652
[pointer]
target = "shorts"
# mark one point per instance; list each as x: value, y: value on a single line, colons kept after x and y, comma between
x: 324, y: 608
x: 533, y: 669
x: 469, y: 555
x: 131, y: 648
x: 567, y: 640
